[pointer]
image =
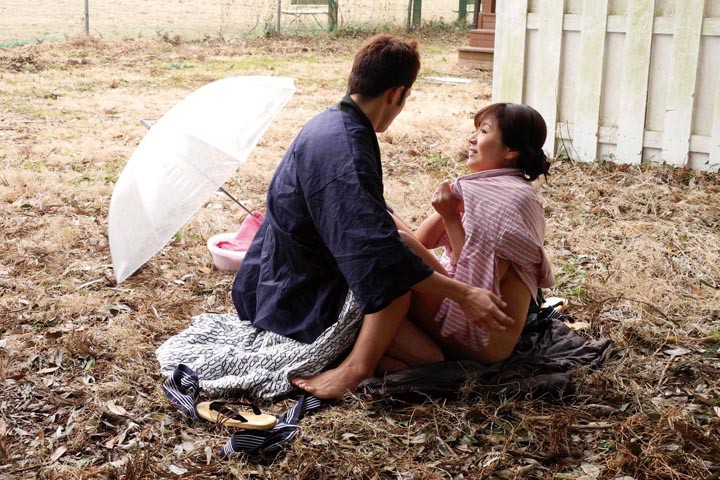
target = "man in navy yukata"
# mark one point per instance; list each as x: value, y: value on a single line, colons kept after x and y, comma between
x: 328, y: 229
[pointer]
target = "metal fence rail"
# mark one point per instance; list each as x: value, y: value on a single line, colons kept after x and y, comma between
x: 46, y: 20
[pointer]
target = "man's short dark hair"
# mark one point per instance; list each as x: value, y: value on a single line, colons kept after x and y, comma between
x: 384, y: 62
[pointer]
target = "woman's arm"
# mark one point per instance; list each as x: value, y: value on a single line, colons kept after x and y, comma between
x: 431, y: 231
x: 449, y: 207
x: 456, y: 233
x: 401, y: 226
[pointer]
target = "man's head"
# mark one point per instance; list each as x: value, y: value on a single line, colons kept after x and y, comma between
x: 384, y: 62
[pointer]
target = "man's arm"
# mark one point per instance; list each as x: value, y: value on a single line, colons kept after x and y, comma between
x: 480, y: 306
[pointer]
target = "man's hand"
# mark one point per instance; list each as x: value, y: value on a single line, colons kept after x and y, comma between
x: 484, y: 309
x: 445, y: 202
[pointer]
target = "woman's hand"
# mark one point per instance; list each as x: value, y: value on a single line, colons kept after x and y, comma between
x: 484, y: 308
x: 445, y: 202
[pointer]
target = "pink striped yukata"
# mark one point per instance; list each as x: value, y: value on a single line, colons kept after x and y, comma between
x: 503, y: 219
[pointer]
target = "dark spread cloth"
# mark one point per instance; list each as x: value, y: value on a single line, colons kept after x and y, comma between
x: 542, y: 365
x: 326, y: 228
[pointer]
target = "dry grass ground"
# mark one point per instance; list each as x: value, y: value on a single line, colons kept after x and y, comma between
x: 636, y: 249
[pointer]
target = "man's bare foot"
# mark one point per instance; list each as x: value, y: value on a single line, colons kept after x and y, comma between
x: 331, y: 383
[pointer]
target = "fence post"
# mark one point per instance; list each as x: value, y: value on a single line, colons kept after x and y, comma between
x: 409, y: 15
x: 416, y: 13
x: 278, y: 15
x: 462, y: 12
x: 332, y: 15
x: 87, y: 17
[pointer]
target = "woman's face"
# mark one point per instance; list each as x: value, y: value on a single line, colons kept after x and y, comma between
x: 487, y: 151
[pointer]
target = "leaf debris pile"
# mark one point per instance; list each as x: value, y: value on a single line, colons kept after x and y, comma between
x: 635, y: 249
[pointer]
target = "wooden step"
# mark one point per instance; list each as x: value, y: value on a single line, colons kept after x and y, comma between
x: 486, y: 20
x: 476, y: 55
x: 484, y: 38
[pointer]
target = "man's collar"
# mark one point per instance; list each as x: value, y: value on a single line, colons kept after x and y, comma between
x: 348, y: 105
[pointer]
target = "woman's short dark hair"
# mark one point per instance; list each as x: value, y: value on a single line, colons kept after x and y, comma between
x: 383, y: 62
x: 523, y: 130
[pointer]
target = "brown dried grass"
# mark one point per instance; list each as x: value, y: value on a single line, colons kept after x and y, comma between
x: 636, y: 249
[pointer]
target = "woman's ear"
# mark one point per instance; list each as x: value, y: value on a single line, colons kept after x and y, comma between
x: 511, y: 156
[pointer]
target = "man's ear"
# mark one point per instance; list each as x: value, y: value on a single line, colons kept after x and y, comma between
x: 395, y: 95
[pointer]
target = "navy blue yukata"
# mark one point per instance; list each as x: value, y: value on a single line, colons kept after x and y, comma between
x: 326, y: 228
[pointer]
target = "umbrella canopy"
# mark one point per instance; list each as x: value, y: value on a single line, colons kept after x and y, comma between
x: 183, y: 159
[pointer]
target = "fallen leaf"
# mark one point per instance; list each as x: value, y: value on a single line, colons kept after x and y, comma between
x: 177, y: 470
x: 116, y: 409
x: 349, y: 436
x: 57, y: 453
x: 464, y: 447
x: 491, y: 458
x: 676, y: 352
x: 185, y: 447
x: 111, y: 443
x: 3, y: 427
x: 578, y: 325
x: 591, y: 471
x: 119, y: 463
x: 48, y: 370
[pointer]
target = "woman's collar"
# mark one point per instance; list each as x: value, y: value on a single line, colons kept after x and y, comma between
x: 497, y: 172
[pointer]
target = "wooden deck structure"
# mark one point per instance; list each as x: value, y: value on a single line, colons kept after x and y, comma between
x: 482, y: 36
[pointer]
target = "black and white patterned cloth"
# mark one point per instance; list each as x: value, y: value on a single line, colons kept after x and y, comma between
x: 230, y: 354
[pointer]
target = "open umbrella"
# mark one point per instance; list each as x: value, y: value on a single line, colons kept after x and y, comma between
x: 186, y: 156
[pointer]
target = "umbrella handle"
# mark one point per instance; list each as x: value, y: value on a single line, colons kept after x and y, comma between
x: 235, y: 200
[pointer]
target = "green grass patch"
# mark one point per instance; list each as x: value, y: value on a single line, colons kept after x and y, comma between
x: 178, y: 66
x: 20, y: 43
x: 571, y: 279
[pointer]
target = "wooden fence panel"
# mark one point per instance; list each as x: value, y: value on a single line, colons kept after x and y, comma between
x: 592, y: 50
x: 626, y: 80
x: 631, y: 122
x: 678, y: 113
x: 550, y: 39
x: 714, y: 160
x: 510, y: 46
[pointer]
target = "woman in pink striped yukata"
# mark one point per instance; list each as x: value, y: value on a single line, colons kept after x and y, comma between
x: 492, y: 226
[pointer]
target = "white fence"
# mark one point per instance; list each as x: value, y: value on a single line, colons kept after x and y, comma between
x: 622, y: 80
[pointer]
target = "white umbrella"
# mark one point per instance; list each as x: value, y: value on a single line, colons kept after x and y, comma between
x: 186, y: 156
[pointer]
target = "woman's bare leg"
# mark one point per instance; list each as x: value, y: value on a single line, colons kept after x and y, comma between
x: 514, y: 292
x: 424, y: 307
x: 389, y: 364
x: 410, y: 348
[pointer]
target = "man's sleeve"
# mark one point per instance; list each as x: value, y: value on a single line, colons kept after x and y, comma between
x: 352, y: 219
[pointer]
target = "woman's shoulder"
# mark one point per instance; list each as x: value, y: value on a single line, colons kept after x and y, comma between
x: 501, y: 189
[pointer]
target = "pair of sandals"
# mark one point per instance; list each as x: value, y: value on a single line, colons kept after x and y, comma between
x: 258, y: 433
x: 227, y: 414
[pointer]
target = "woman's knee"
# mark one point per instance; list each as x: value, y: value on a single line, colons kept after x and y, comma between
x: 414, y: 347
